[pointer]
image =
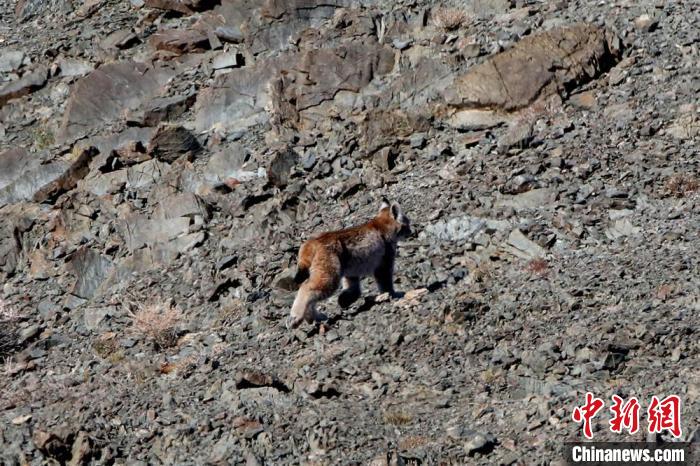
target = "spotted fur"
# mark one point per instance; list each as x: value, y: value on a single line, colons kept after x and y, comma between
x: 346, y: 256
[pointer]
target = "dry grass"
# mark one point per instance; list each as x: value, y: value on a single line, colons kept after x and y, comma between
x: 397, y: 417
x: 664, y: 292
x: 231, y: 313
x: 450, y: 19
x: 9, y: 320
x: 43, y: 138
x: 682, y: 185
x: 491, y: 375
x: 107, y: 347
x: 158, y: 323
x: 412, y: 442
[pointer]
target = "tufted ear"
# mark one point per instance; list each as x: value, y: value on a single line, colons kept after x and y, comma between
x: 396, y: 211
x: 384, y: 205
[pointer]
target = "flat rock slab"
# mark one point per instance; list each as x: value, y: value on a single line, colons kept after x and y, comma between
x: 41, y: 183
x: 32, y: 181
x: 13, y: 163
x: 236, y: 99
x: 538, y: 65
x: 325, y: 72
x: 521, y: 246
x: 186, y: 7
x: 91, y: 269
x: 180, y: 41
x: 102, y: 96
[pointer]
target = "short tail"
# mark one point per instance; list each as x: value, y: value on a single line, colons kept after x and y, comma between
x: 306, y: 256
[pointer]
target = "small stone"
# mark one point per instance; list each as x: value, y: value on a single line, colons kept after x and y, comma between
x: 646, y: 23
x: 28, y: 333
x: 228, y: 60
x: 19, y: 420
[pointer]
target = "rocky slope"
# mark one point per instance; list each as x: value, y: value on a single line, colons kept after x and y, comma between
x: 162, y: 160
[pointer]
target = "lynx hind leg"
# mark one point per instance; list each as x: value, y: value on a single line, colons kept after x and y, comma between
x: 324, y: 279
x: 306, y: 253
x: 351, y: 292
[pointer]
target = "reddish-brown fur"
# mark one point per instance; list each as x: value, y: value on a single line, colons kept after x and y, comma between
x: 349, y: 254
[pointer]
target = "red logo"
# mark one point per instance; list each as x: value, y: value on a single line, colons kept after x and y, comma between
x: 661, y: 415
x: 625, y: 416
x: 665, y: 414
x: 586, y: 412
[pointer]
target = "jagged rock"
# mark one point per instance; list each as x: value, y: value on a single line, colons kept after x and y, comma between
x: 26, y: 9
x: 539, y: 65
x: 13, y: 163
x: 161, y: 109
x: 91, y: 270
x: 322, y: 73
x: 139, y: 230
x: 182, y: 205
x: 100, y: 98
x: 186, y: 7
x: 236, y: 99
x: 25, y: 85
x: 473, y: 119
x: 171, y: 142
x: 519, y: 245
x: 281, y: 165
x: 45, y: 182
x: 75, y: 171
x: 180, y: 41
x: 70, y: 67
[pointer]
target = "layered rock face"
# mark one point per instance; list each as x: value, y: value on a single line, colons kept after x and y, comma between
x: 161, y: 161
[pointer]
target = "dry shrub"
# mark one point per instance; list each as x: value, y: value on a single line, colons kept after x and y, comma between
x: 449, y: 19
x: 9, y: 321
x: 158, y: 323
x: 413, y: 442
x: 682, y: 185
x: 397, y: 417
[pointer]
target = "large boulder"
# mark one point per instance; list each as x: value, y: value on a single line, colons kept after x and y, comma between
x: 539, y: 65
x: 103, y: 96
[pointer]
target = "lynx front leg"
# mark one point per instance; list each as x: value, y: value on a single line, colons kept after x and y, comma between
x: 351, y: 292
x: 384, y: 275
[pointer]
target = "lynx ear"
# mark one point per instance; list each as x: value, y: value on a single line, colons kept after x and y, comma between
x: 396, y: 211
x: 385, y: 204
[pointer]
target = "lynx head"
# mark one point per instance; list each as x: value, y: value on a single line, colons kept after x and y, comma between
x: 400, y: 223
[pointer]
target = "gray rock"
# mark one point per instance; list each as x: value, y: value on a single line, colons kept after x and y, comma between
x: 71, y: 67
x: 27, y: 84
x: 282, y: 163
x: 170, y: 142
x: 515, y: 78
x: 102, y: 96
x: 463, y: 228
x: 519, y: 245
x: 91, y: 269
x: 11, y: 60
x: 228, y: 60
